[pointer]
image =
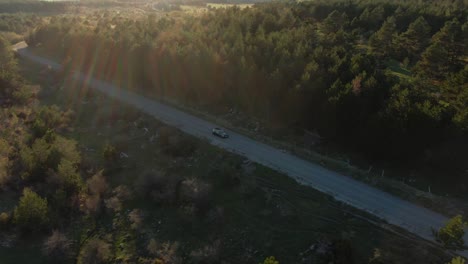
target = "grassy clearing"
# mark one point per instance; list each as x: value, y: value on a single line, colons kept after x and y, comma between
x: 256, y: 212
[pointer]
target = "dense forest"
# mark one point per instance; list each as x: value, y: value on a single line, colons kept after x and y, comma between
x: 387, y: 78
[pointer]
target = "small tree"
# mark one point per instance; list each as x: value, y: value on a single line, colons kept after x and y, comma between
x: 31, y: 212
x: 451, y: 235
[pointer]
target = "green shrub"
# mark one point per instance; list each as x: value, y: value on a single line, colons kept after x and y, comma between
x: 451, y: 235
x: 270, y: 260
x: 457, y: 260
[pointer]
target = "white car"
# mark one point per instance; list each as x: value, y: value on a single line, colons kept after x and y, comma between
x: 219, y: 132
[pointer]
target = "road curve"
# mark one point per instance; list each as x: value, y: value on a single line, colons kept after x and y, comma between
x: 415, y: 219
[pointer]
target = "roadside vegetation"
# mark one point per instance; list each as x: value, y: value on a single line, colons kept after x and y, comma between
x: 386, y: 81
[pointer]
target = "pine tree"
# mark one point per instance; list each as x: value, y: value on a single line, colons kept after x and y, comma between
x: 415, y: 39
x: 445, y: 52
x: 434, y: 61
x: 382, y: 40
x: 450, y: 37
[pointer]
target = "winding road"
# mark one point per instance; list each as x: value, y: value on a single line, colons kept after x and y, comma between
x: 396, y: 211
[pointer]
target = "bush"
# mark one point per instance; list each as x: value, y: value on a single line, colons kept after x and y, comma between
x: 57, y: 247
x: 90, y: 204
x: 95, y: 251
x: 122, y: 192
x: 4, y: 220
x: 451, y: 235
x: 270, y: 260
x: 165, y: 252
x: 109, y: 152
x: 136, y: 218
x: 457, y: 260
x: 195, y: 192
x: 114, y: 204
x: 32, y: 213
x: 97, y: 184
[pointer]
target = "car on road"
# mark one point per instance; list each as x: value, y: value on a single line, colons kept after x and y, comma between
x: 219, y: 132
